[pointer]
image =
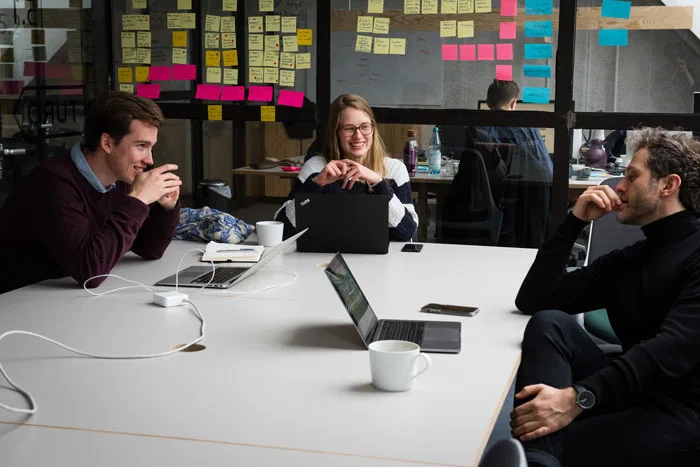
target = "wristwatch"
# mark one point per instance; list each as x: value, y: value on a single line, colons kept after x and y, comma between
x: 584, y: 398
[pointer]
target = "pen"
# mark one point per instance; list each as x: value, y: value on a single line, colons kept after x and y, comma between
x: 233, y: 251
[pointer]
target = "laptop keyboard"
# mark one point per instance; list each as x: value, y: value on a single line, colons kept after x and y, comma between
x: 221, y: 275
x: 401, y: 330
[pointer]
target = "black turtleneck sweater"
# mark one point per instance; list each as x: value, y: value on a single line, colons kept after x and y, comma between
x: 651, y: 291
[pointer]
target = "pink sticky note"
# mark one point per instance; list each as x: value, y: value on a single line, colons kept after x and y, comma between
x: 504, y: 51
x: 504, y: 72
x: 260, y: 93
x: 449, y: 51
x: 151, y: 91
x: 207, y: 91
x: 34, y: 69
x: 232, y: 93
x: 467, y: 52
x: 507, y: 30
x: 11, y: 87
x: 509, y: 7
x: 160, y: 73
x: 54, y: 70
x: 75, y: 89
x: 485, y: 51
x: 184, y: 72
x: 291, y: 98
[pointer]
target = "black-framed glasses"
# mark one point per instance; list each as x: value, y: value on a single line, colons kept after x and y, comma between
x: 365, y: 129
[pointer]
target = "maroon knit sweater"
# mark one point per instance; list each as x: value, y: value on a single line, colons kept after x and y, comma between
x: 55, y: 224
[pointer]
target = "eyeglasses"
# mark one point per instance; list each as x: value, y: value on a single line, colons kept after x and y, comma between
x: 365, y: 129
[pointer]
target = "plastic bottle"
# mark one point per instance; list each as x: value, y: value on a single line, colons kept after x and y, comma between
x: 410, y: 152
x: 434, y: 153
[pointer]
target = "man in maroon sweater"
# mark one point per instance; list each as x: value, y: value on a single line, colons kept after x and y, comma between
x: 77, y: 215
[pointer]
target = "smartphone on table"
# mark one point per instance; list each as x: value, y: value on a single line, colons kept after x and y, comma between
x: 455, y: 310
x: 412, y: 247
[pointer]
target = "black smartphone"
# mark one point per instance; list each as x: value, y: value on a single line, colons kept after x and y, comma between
x: 450, y: 309
x: 412, y: 247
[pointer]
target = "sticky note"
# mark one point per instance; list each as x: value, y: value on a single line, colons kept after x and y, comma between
x: 260, y: 93
x: 230, y: 57
x: 482, y: 6
x: 149, y: 91
x: 58, y: 71
x: 504, y: 51
x: 228, y: 24
x: 397, y: 46
x: 184, y: 72
x: 538, y: 7
x: 229, y: 5
x: 143, y: 39
x: 255, y: 24
x: 128, y: 39
x: 230, y: 76
x: 211, y: 40
x: 174, y: 20
x: 272, y: 42
x: 213, y: 75
x: 290, y: 43
x: 509, y: 7
x: 287, y: 78
x: 136, y: 23
x: 363, y: 44
x: 128, y: 56
x: 448, y: 28
x: 273, y: 23
x: 228, y: 40
x: 122, y: 87
x: 125, y: 75
x: 381, y: 25
x: 138, y: 4
x: 449, y: 7
x: 375, y: 6
x: 255, y: 42
x: 467, y: 52
x: 256, y: 74
x: 267, y: 113
x: 141, y: 74
x: 143, y: 55
x: 504, y: 72
x: 507, y: 30
x: 271, y: 58
x: 184, y: 4
x: 465, y: 29
x: 188, y: 20
x: 612, y: 37
x: 430, y: 7
x: 291, y: 98
x: 465, y: 6
x: 411, y: 7
x: 449, y: 51
x: 304, y: 36
x: 212, y: 23
x: 381, y: 45
x: 255, y: 58
x: 616, y: 9
x: 287, y: 60
x: 365, y: 24
x: 215, y: 112
x: 232, y: 93
x: 289, y: 24
x: 538, y: 71
x: 536, y: 51
x: 538, y: 28
x: 180, y: 39
x: 160, y: 73
x: 536, y: 95
x: 207, y: 91
x: 213, y: 58
x: 303, y: 61
x: 485, y: 51
x: 267, y: 5
x: 271, y: 75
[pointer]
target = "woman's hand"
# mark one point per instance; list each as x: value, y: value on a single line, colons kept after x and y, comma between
x: 356, y: 171
x: 332, y: 172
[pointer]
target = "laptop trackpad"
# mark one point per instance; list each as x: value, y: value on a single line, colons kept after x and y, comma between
x: 441, y: 335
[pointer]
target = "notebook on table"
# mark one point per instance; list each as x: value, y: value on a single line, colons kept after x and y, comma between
x: 236, y: 253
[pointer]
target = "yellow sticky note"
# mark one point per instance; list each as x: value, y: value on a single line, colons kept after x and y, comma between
x: 365, y: 24
x: 289, y: 24
x: 211, y: 40
x: 212, y: 23
x: 465, y: 28
x: 184, y: 4
x: 180, y: 56
x: 128, y: 39
x: 271, y: 58
x: 143, y: 55
x: 139, y: 4
x: 448, y: 28
x: 125, y: 75
x: 397, y: 46
x: 303, y: 61
x: 129, y: 23
x: 449, y: 7
x: 213, y: 75
x: 271, y: 75
x: 267, y: 5
x: 465, y: 6
x: 255, y: 58
x: 287, y: 61
x: 411, y: 7
x: 143, y: 39
x: 381, y: 25
x: 286, y: 78
x: 230, y: 57
x: 126, y: 88
x: 230, y: 76
x: 381, y: 45
x: 375, y: 6
x: 255, y: 24
x: 363, y: 44
x: 143, y: 22
x: 142, y: 74
x: 213, y: 58
x: 482, y: 6
x: 179, y: 38
x: 304, y: 36
x: 215, y: 112
x: 256, y: 74
x: 188, y: 20
x: 228, y: 24
x: 228, y: 40
x: 174, y: 20
x: 267, y: 113
x: 272, y: 43
x: 229, y: 5
x: 290, y: 43
x: 129, y: 55
x: 430, y: 7
x: 255, y: 42
x: 272, y: 23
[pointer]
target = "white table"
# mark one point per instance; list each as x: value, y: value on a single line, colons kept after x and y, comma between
x: 284, y: 379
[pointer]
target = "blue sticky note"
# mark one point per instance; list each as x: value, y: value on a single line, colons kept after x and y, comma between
x: 611, y: 37
x: 538, y: 7
x: 535, y: 51
x: 616, y: 9
x: 538, y: 28
x: 538, y: 71
x: 536, y: 95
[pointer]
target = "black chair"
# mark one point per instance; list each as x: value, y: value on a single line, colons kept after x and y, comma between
x: 505, y: 453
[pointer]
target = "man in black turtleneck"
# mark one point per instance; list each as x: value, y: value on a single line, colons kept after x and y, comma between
x: 576, y: 407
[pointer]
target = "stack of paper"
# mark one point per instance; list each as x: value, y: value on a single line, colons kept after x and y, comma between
x: 228, y: 252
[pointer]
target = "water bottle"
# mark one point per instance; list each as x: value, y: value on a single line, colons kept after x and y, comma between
x: 410, y: 152
x: 434, y: 153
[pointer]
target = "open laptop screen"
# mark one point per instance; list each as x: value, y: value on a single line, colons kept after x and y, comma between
x: 352, y: 297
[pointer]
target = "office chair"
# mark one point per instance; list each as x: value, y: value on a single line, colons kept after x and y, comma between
x: 505, y: 453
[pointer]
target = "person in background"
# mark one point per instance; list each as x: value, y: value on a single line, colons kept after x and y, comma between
x: 355, y: 161
x: 576, y: 406
x: 78, y: 214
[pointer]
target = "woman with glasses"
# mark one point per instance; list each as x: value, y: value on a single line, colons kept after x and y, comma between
x: 355, y: 161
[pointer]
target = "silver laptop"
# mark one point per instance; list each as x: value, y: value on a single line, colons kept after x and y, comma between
x: 225, y: 277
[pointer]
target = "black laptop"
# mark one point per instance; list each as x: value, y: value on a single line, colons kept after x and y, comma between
x: 343, y: 223
x: 432, y: 336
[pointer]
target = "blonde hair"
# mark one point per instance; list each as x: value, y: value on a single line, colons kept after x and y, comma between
x: 377, y: 152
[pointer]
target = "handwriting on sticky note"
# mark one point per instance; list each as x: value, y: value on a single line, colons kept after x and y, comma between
x: 260, y: 93
x: 228, y: 24
x: 267, y: 113
x: 180, y: 39
x: 143, y: 55
x: 213, y: 58
x: 125, y: 75
x: 287, y: 78
x: 255, y: 24
x: 538, y: 28
x: 303, y: 61
x: 289, y: 24
x: 397, y: 46
x: 507, y: 30
x: 538, y: 7
x: 448, y: 28
x: 230, y: 57
x: 255, y: 42
x: 142, y: 74
x: 449, y: 51
x: 208, y: 92
x: 381, y: 45
x: 232, y: 93
x: 229, y: 5
x: 129, y: 39
x: 465, y: 29
x: 467, y: 52
x: 213, y: 75
x: 136, y: 22
x: 271, y: 75
x: 430, y: 7
x: 365, y: 24
x: 291, y: 98
x: 127, y: 88
x: 212, y: 23
x: 449, y: 7
x: 504, y: 51
x: 411, y: 7
x: 290, y: 43
x: 184, y: 72
x: 272, y: 42
x: 211, y: 40
x: 482, y: 6
x: 188, y: 20
x: 230, y: 76
x: 381, y: 26
x: 485, y: 51
x: 143, y: 39
x: 139, y: 4
x: 256, y: 74
x: 228, y: 40
x: 287, y: 60
x: 174, y: 20
x: 271, y: 58
x: 375, y: 6
x: 304, y: 36
x: 267, y: 5
x: 465, y: 6
x: 537, y: 71
x: 255, y: 58
x: 536, y: 95
x: 537, y: 51
x: 215, y: 112
x: 184, y: 4
x: 504, y: 72
x: 149, y: 91
x: 272, y: 23
x: 363, y: 44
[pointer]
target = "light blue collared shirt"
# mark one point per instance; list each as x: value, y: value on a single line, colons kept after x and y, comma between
x: 84, y: 168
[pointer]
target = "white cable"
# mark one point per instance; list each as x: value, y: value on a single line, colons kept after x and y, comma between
x: 290, y: 270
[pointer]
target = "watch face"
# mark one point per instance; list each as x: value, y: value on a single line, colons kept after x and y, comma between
x: 585, y: 399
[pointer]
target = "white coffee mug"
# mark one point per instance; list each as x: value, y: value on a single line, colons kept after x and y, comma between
x: 269, y: 232
x: 394, y: 364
